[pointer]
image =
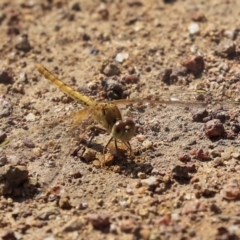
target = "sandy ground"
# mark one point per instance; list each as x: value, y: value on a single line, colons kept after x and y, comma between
x: 182, y: 179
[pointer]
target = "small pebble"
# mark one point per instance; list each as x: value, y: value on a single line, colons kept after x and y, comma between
x: 147, y: 144
x: 217, y: 162
x: 37, y: 151
x: 229, y: 34
x: 130, y: 79
x: 214, y: 128
x: 103, y: 11
x: 195, y: 64
x: 3, y: 160
x: 23, y: 44
x: 13, y: 159
x: 100, y: 202
x: 30, y: 117
x: 82, y: 206
x: 134, y: 3
x: 225, y: 156
x: 116, y: 169
x: 28, y: 143
x: 110, y: 69
x: 123, y: 203
x: 73, y: 225
x: 226, y: 48
x: 5, y: 107
x: 231, y: 190
x: 236, y: 155
x: 48, y: 211
x: 96, y: 163
x: 145, y: 233
x: 98, y: 220
x: 141, y: 175
x: 215, y: 153
x: 199, y: 115
x: 183, y: 157
x: 142, y: 190
x: 23, y: 76
x: 76, y: 174
x: 193, y: 28
x: 113, y: 228
x: 198, y: 17
x: 64, y: 202
x: 128, y: 225
x: 76, y: 7
x: 151, y: 181
x: 31, y: 182
x: 5, y: 77
x: 89, y: 155
x: 120, y: 57
x: 3, y: 136
x: 143, y: 212
x: 129, y: 190
x: 108, y: 159
x: 193, y: 206
x: 141, y: 137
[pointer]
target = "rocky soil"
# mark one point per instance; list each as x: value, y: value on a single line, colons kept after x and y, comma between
x: 179, y: 62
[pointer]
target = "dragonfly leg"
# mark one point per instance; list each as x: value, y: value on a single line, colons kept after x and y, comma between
x: 94, y: 130
x: 105, y: 149
x: 128, y: 145
x: 92, y: 135
x: 115, y: 142
x: 74, y: 152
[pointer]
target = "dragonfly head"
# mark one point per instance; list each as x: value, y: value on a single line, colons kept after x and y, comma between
x: 124, y: 130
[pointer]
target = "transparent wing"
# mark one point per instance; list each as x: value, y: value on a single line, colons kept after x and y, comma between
x: 223, y: 96
x: 72, y: 119
x: 165, y: 97
x: 84, y: 122
x: 79, y: 116
x: 192, y: 97
x: 81, y: 122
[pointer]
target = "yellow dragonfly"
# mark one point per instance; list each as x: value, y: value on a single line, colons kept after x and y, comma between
x: 106, y: 114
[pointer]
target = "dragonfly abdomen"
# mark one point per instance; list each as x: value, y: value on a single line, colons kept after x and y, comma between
x: 84, y: 100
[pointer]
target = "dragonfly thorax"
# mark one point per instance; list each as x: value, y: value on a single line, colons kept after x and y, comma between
x: 107, y: 114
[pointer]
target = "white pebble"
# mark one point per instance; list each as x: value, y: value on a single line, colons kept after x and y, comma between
x: 123, y: 203
x: 229, y: 34
x: 22, y: 76
x: 149, y: 181
x: 30, y: 117
x: 147, y: 144
x: 120, y: 57
x: 193, y: 28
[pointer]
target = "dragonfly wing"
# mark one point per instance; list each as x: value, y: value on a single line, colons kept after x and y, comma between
x: 79, y: 116
x: 164, y: 99
x: 179, y: 96
x: 83, y: 121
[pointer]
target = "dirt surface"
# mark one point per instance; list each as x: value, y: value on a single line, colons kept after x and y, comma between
x: 182, y: 180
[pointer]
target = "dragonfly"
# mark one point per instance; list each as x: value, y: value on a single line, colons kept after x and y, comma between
x: 106, y: 114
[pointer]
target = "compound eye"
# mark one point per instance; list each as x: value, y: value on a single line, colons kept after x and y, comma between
x: 124, y: 130
x: 129, y: 123
x: 119, y: 127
